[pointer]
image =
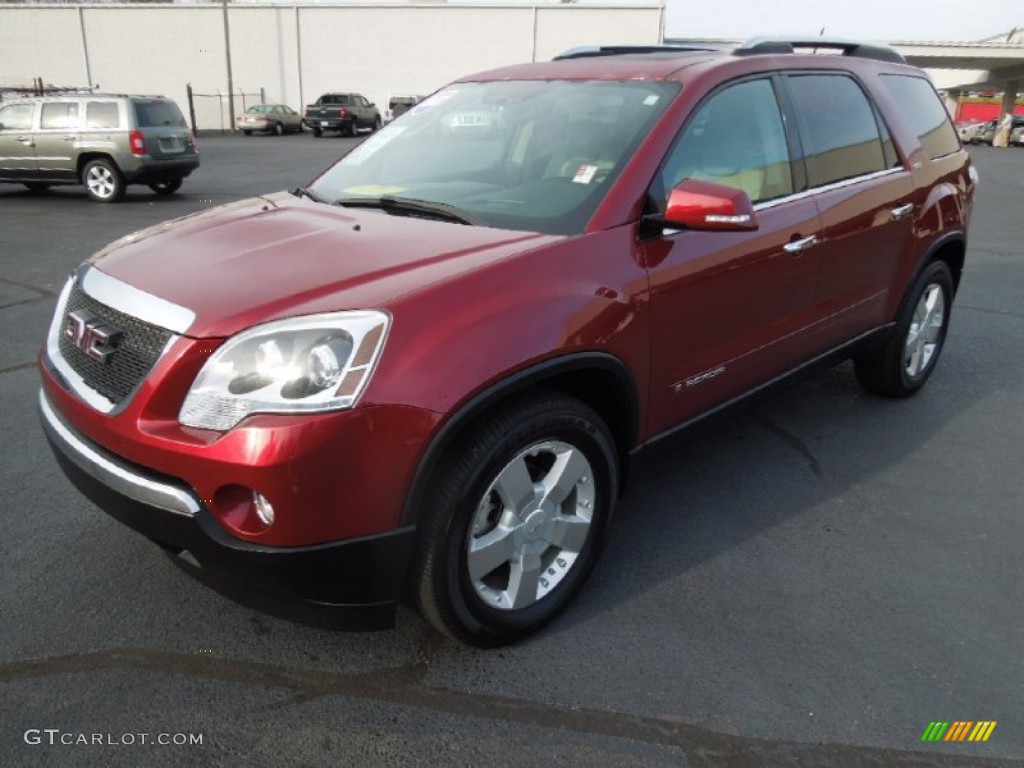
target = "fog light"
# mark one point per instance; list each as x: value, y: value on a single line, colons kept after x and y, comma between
x: 264, y: 509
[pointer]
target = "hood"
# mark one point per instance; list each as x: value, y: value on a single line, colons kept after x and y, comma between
x: 270, y: 257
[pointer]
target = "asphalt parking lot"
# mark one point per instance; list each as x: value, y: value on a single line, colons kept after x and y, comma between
x: 809, y: 583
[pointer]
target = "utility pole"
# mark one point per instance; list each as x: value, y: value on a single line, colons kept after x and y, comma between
x: 227, y: 55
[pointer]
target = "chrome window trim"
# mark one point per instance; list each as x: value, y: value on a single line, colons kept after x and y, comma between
x: 828, y: 188
x: 70, y: 377
x: 133, y: 301
x: 112, y: 473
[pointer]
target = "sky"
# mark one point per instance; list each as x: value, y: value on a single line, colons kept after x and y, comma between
x: 882, y: 20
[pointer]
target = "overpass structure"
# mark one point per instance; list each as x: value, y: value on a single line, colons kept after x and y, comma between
x: 995, y: 64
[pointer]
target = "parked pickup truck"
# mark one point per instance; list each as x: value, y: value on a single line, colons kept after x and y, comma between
x: 342, y: 112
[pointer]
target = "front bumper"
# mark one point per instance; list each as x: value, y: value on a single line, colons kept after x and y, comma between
x: 365, y: 575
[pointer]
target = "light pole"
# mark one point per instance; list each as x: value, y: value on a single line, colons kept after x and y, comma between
x: 227, y: 54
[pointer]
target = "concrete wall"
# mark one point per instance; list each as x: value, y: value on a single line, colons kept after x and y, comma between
x: 295, y: 53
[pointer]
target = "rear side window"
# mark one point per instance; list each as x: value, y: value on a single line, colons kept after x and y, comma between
x: 158, y: 114
x: 60, y: 114
x: 838, y: 128
x: 735, y: 138
x: 102, y: 114
x: 924, y: 111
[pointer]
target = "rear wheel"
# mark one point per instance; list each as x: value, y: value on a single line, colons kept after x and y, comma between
x: 167, y: 187
x: 376, y: 124
x: 103, y: 181
x: 352, y: 129
x: 317, y: 133
x: 902, y: 366
x: 247, y: 133
x: 516, y: 519
x: 278, y: 129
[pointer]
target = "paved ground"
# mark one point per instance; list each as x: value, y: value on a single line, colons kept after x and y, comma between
x: 809, y: 584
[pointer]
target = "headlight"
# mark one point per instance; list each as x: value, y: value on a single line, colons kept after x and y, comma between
x: 300, y: 365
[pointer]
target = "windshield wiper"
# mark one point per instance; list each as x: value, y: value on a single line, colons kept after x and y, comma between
x: 408, y: 205
x: 306, y: 192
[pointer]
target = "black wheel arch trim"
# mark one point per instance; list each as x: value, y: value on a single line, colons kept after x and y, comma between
x: 534, y: 375
x: 955, y: 236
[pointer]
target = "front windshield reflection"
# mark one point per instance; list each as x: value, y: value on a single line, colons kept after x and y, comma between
x: 528, y: 155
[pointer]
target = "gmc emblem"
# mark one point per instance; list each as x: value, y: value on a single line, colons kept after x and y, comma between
x: 91, y: 335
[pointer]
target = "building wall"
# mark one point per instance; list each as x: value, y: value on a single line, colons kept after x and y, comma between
x: 295, y: 53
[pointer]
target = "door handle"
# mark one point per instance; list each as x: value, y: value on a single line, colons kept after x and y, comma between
x: 901, y: 212
x: 26, y: 140
x: 799, y: 246
x: 69, y: 138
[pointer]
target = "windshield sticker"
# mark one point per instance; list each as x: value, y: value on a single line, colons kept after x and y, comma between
x: 585, y: 174
x: 651, y: 100
x: 375, y: 190
x: 366, y: 150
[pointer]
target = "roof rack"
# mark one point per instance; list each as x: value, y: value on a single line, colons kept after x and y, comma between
x: 860, y: 48
x: 589, y: 51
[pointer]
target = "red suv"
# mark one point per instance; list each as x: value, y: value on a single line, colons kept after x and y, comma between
x: 424, y: 375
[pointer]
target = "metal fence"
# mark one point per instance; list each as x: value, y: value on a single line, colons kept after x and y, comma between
x: 211, y: 111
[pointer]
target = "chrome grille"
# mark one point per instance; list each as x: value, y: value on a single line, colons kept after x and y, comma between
x: 140, y: 347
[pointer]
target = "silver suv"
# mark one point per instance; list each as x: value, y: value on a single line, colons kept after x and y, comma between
x: 104, y: 141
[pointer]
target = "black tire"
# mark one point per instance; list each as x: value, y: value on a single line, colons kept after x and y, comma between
x: 352, y: 129
x: 317, y: 133
x: 168, y: 187
x: 278, y: 129
x: 520, y: 440
x: 103, y: 181
x: 895, y: 369
x: 36, y: 186
x: 247, y: 133
x: 376, y: 124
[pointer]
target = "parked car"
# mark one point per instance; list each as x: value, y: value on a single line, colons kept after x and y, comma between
x: 399, y: 105
x: 104, y: 141
x: 987, y: 131
x: 1017, y: 136
x: 967, y: 129
x: 984, y: 133
x: 269, y: 118
x: 342, y: 112
x: 437, y: 394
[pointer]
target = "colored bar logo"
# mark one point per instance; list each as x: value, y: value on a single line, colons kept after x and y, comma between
x: 959, y: 730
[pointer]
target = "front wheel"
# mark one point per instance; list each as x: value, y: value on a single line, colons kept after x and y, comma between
x: 516, y: 519
x: 902, y: 366
x: 278, y: 129
x: 103, y: 181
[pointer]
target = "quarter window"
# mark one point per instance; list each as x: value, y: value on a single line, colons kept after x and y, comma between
x: 60, y: 114
x: 925, y: 112
x: 838, y: 127
x: 102, y: 114
x: 736, y: 138
x: 16, y: 117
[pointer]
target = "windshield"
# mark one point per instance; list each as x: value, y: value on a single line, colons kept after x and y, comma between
x: 525, y: 155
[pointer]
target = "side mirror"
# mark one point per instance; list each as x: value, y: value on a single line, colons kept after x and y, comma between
x: 372, y: 104
x: 703, y: 205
